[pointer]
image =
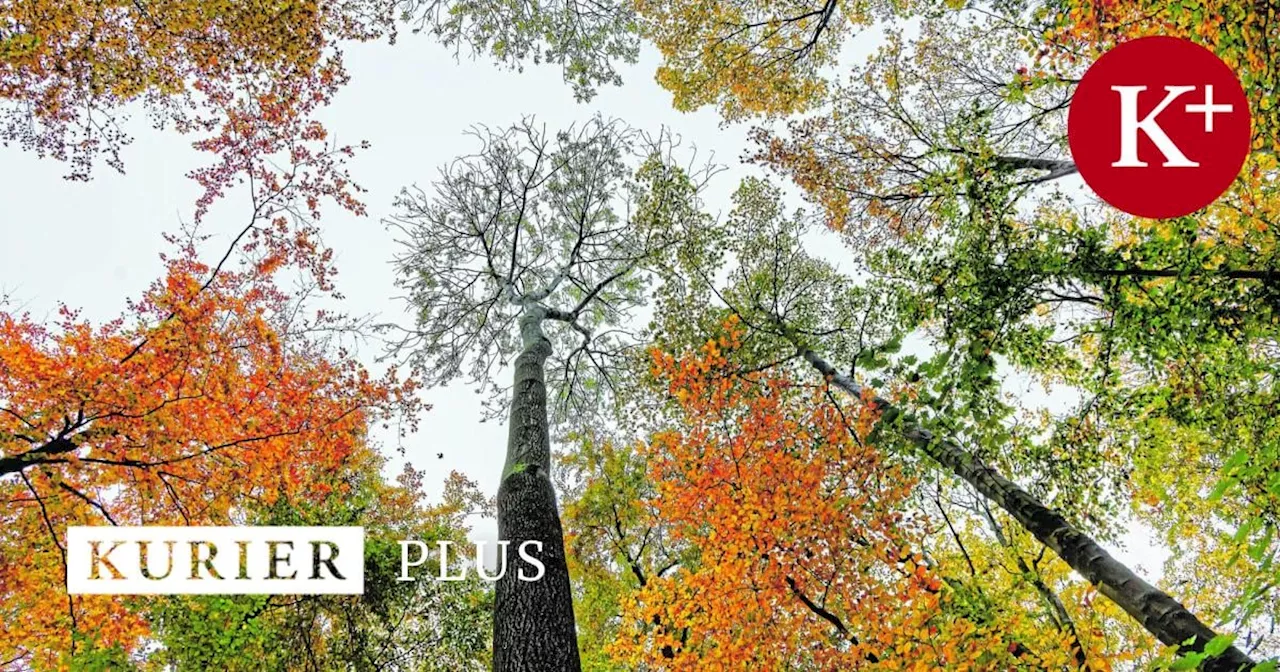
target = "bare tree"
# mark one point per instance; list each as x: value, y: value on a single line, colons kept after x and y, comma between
x: 540, y: 247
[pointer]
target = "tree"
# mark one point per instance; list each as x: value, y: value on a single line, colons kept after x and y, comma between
x: 536, y: 248
x: 791, y: 303
x: 244, y: 79
x: 250, y: 79
x: 804, y: 551
x: 938, y: 160
x: 211, y: 396
x: 247, y: 82
x: 750, y: 58
x: 1245, y: 36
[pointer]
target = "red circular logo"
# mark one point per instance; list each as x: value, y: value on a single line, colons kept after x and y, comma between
x: 1159, y: 127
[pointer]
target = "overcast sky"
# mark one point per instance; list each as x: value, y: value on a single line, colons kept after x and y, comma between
x: 92, y: 245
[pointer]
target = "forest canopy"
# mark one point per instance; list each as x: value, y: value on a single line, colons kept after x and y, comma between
x: 890, y: 390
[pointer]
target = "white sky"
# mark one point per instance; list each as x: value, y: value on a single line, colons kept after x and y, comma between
x: 94, y: 245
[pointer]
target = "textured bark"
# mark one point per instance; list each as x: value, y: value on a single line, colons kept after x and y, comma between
x: 1159, y: 613
x: 533, y: 623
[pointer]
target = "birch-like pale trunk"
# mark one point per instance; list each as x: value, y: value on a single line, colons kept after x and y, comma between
x: 533, y: 623
x: 1159, y: 613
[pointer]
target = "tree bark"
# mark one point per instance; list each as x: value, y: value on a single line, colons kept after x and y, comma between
x: 45, y: 454
x: 1159, y: 613
x: 533, y: 622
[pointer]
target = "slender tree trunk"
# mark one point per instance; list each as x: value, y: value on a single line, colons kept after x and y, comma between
x: 533, y: 623
x: 1159, y: 613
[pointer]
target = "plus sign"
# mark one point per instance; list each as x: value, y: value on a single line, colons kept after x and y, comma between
x: 1208, y: 109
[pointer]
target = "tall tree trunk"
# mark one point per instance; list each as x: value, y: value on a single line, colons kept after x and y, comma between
x: 533, y: 623
x: 1159, y: 613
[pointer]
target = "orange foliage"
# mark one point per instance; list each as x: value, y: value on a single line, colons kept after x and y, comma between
x: 807, y: 555
x: 208, y: 401
x: 243, y: 79
x: 70, y: 67
x: 1245, y: 35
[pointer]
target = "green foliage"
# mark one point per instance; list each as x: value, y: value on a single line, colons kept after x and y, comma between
x: 421, y: 625
x: 586, y: 41
x: 93, y: 658
x: 217, y: 632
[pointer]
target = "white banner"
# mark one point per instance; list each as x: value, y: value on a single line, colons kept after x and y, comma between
x: 215, y: 560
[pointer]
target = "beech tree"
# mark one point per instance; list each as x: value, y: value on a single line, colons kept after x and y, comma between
x: 938, y: 159
x: 536, y: 250
x: 246, y: 83
x: 940, y: 162
x: 793, y: 305
x: 797, y: 530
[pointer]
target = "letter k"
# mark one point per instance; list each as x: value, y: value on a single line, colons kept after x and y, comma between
x: 1130, y: 125
x: 98, y: 560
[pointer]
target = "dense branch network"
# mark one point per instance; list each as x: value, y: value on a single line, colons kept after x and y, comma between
x: 565, y: 227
